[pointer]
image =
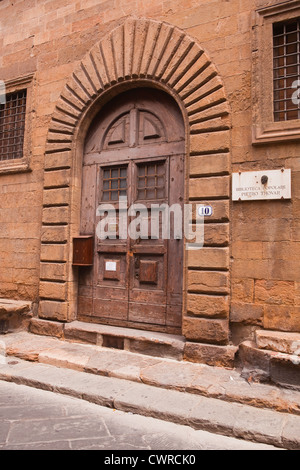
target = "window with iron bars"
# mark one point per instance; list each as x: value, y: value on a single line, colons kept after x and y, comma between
x: 12, y: 125
x: 286, y: 69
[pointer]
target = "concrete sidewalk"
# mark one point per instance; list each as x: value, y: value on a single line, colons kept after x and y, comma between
x: 202, y: 397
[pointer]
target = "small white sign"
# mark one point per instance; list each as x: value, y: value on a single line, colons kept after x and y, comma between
x: 110, y: 266
x: 261, y: 185
x: 205, y: 211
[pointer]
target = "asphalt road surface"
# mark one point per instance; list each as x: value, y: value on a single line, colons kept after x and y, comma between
x: 32, y: 419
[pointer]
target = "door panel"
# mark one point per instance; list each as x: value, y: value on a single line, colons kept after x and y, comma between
x: 175, y: 246
x: 142, y: 313
x: 147, y: 278
x: 138, y: 153
x: 88, y: 199
x: 111, y: 283
x: 148, y: 268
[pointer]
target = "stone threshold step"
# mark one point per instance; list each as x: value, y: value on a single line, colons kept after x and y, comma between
x: 281, y: 430
x: 133, y: 340
x: 14, y: 314
x: 191, y: 378
x: 278, y: 341
x: 267, y: 365
x: 14, y: 306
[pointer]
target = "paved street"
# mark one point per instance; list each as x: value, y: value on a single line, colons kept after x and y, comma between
x: 32, y: 419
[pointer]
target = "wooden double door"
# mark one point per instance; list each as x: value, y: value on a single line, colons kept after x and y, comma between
x: 133, y: 172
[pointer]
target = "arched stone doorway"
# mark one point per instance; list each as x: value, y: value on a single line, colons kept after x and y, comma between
x: 157, y: 55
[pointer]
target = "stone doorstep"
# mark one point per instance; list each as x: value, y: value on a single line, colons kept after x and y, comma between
x: 278, y: 341
x: 14, y: 314
x: 267, y: 365
x: 138, y: 341
x: 133, y: 340
x: 10, y: 306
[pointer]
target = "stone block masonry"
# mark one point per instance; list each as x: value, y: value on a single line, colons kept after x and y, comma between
x: 81, y: 54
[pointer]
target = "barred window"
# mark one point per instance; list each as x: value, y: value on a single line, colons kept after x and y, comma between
x: 114, y: 183
x: 286, y: 67
x: 12, y: 125
x: 151, y: 180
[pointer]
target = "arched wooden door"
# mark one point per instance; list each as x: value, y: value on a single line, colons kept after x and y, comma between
x: 135, y: 150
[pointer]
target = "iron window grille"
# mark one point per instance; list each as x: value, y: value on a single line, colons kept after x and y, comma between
x: 12, y: 125
x: 151, y: 180
x: 114, y: 183
x: 286, y: 69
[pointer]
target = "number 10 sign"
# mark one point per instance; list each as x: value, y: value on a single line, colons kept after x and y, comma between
x: 205, y: 211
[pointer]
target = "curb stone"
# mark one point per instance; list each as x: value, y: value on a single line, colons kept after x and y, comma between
x: 281, y: 430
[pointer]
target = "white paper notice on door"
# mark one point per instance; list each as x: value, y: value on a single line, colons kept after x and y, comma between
x: 110, y: 266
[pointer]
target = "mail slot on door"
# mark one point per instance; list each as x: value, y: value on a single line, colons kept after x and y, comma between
x: 83, y: 250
